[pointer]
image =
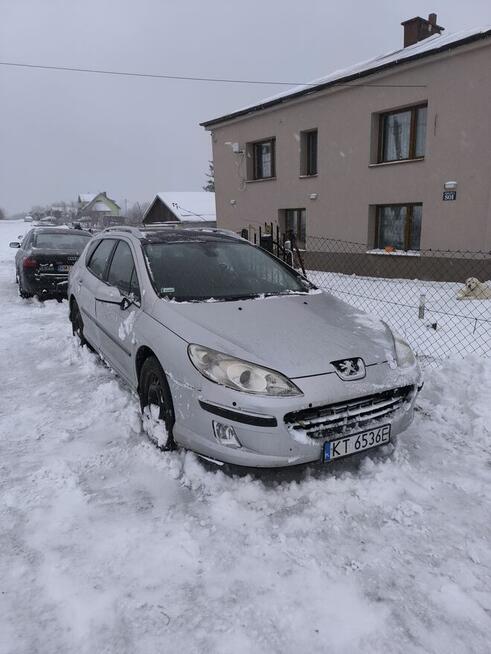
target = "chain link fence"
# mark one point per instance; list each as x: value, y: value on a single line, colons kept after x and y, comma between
x: 440, y: 301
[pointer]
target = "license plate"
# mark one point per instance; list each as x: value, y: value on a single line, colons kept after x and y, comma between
x: 364, y: 440
x: 63, y: 268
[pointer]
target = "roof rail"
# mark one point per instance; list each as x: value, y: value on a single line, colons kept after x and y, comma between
x: 140, y: 232
x: 220, y: 230
x: 178, y: 225
x: 125, y: 228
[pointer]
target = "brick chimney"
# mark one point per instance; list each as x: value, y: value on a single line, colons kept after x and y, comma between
x: 416, y: 29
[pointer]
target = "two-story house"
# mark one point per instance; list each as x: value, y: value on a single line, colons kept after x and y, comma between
x: 393, y: 153
x: 97, y: 209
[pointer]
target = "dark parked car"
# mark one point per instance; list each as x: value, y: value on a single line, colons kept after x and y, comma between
x: 44, y: 259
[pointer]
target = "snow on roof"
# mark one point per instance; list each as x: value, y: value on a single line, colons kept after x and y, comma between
x: 87, y: 197
x: 190, y: 206
x: 100, y: 206
x: 428, y: 46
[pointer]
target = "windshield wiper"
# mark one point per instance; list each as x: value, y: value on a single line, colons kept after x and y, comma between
x: 232, y: 298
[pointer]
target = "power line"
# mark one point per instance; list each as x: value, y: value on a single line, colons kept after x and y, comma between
x: 120, y: 73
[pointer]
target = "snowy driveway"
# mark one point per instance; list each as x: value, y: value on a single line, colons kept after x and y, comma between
x: 109, y: 546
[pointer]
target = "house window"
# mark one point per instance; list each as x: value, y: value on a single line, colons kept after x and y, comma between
x: 294, y: 224
x: 402, y: 134
x: 308, y: 152
x: 263, y: 155
x: 399, y: 226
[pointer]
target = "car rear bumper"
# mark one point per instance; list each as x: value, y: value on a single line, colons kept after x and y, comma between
x: 46, y: 285
x: 268, y: 436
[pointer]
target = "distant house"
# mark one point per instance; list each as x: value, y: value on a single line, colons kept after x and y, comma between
x: 98, y: 208
x: 188, y: 208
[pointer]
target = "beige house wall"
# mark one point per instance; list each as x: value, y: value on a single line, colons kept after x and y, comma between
x: 457, y: 87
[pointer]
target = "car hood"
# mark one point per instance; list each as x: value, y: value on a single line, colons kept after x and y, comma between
x: 298, y: 335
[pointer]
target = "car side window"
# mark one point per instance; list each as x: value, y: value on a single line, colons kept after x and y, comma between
x: 90, y: 251
x: 100, y: 256
x: 26, y: 241
x: 122, y: 272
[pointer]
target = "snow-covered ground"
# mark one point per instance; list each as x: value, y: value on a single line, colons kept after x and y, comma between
x: 109, y: 546
x: 447, y: 326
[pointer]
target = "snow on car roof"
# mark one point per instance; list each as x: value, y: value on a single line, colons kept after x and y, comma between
x: 183, y: 235
x: 59, y: 230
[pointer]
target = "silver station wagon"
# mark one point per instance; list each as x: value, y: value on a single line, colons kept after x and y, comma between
x: 234, y: 354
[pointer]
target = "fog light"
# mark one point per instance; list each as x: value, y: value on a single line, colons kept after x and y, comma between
x: 225, y: 435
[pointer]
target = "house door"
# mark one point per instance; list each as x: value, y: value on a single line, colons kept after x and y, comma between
x: 294, y: 224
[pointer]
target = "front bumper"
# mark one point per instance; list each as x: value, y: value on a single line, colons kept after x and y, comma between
x: 267, y: 441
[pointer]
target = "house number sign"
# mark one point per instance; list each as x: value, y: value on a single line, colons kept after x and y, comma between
x: 449, y: 195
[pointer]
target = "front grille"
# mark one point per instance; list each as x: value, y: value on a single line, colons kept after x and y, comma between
x: 341, y: 417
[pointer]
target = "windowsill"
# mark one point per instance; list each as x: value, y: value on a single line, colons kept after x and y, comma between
x: 392, y: 163
x: 308, y: 176
x: 396, y: 253
x: 263, y: 179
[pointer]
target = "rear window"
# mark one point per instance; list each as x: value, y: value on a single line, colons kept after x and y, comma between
x: 57, y: 241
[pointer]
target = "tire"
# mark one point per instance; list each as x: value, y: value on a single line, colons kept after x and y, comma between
x: 22, y: 292
x: 156, y: 405
x: 77, y: 323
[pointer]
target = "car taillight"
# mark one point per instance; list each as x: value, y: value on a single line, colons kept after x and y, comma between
x: 29, y: 262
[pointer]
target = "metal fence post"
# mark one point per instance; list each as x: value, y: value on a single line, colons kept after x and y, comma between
x: 422, y: 303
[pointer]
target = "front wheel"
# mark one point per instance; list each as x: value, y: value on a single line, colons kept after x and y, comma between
x: 77, y: 322
x: 156, y: 404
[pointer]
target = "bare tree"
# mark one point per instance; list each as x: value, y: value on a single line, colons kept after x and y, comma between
x: 136, y: 212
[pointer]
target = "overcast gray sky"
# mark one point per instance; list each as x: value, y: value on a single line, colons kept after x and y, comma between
x: 62, y: 133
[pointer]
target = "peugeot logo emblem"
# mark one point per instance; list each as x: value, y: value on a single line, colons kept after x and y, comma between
x: 350, y: 369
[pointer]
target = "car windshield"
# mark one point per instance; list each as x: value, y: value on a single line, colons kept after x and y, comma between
x: 223, y: 270
x: 59, y: 241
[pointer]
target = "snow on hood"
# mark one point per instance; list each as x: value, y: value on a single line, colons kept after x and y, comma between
x: 298, y: 335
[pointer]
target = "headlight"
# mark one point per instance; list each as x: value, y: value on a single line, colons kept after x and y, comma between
x: 240, y: 375
x: 404, y: 354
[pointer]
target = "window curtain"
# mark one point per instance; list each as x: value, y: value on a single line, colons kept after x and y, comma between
x: 397, y: 134
x: 392, y: 221
x: 266, y: 167
x: 420, y: 132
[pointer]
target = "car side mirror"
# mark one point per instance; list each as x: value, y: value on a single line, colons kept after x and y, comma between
x: 14, y: 244
x: 128, y: 300
x: 125, y: 303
